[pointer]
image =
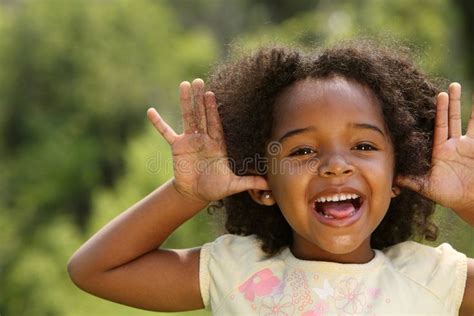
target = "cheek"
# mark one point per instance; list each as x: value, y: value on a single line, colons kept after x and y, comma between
x: 381, y: 169
x: 287, y: 180
x: 379, y: 176
x: 292, y: 168
x: 382, y: 182
x: 281, y: 183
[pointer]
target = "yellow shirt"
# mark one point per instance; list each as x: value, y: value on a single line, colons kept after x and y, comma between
x: 238, y: 278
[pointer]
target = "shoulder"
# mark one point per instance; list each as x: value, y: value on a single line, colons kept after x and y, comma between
x: 441, y: 270
x: 410, y: 251
x: 404, y: 255
x: 234, y: 248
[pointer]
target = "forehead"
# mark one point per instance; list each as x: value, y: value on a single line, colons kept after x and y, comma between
x: 337, y: 99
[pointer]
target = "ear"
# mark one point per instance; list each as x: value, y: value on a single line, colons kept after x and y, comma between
x: 262, y: 197
x: 395, y: 191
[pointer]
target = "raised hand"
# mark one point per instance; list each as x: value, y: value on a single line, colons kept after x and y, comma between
x: 201, y: 168
x: 450, y: 181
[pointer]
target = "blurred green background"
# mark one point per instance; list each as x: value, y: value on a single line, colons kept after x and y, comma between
x: 76, y: 78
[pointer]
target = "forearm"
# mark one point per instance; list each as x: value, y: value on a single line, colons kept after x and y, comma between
x: 138, y: 230
x: 467, y: 214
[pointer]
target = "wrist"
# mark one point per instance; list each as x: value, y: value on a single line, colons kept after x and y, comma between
x: 187, y: 197
x: 466, y: 213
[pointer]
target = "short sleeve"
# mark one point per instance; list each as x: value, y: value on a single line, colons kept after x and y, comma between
x: 452, y: 267
x: 223, y: 263
x: 204, y: 278
x: 441, y: 270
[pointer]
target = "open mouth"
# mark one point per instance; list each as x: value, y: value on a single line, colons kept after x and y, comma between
x: 338, y: 208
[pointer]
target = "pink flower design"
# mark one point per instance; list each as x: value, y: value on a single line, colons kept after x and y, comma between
x: 319, y: 309
x: 350, y: 296
x: 279, y: 305
x: 374, y: 292
x: 260, y: 283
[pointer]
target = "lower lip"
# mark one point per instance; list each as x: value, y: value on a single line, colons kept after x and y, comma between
x: 334, y: 222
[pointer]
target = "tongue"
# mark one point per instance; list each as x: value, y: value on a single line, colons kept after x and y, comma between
x: 337, y: 209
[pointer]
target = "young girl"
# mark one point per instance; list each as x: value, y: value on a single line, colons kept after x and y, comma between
x: 326, y: 163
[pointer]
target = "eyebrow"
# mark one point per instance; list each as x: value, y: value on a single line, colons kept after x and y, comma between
x: 295, y: 132
x: 298, y: 131
x: 368, y: 126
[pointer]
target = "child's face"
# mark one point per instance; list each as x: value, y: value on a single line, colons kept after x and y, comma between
x: 333, y: 141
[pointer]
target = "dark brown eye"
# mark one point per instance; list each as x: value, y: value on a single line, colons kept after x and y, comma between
x: 365, y: 147
x: 302, y: 152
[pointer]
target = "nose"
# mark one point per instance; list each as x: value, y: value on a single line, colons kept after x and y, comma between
x: 335, y: 166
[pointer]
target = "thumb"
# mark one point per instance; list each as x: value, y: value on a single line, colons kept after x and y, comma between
x: 250, y: 182
x: 414, y: 183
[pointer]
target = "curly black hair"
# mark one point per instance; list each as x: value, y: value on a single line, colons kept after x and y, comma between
x: 246, y: 89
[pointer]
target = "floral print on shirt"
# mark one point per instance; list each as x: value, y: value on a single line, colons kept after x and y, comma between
x: 259, y: 284
x: 300, y: 293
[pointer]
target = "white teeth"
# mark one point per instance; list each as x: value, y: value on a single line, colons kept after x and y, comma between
x: 337, y: 197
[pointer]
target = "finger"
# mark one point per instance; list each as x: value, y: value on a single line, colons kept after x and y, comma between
x: 214, y: 126
x: 186, y: 107
x: 441, y: 121
x: 165, y: 130
x: 198, y: 105
x: 455, y: 124
x: 417, y: 184
x: 248, y: 183
x: 470, y: 124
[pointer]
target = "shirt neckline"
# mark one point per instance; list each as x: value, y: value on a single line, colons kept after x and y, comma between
x: 287, y: 256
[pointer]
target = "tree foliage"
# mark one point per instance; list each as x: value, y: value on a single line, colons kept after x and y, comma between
x: 76, y: 79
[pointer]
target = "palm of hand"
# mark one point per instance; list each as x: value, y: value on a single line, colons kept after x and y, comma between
x: 450, y: 182
x: 200, y: 166
x: 200, y: 163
